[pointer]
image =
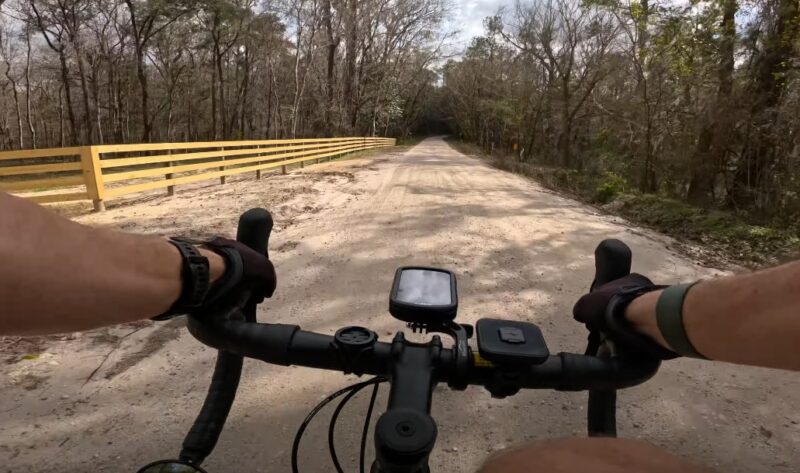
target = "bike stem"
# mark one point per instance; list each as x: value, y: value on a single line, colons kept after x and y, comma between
x: 406, y: 433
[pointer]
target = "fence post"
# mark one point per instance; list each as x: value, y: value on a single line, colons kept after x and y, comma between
x: 93, y: 176
x: 302, y: 163
x: 222, y: 168
x: 258, y: 171
x: 170, y: 189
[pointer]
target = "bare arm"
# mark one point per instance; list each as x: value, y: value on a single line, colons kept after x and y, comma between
x: 580, y: 455
x: 58, y: 276
x: 751, y: 319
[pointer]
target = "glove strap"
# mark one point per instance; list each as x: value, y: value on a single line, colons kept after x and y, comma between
x: 669, y: 317
x: 196, y: 278
x: 234, y: 269
x: 623, y: 332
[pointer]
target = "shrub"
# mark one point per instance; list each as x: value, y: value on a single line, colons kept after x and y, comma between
x: 610, y: 186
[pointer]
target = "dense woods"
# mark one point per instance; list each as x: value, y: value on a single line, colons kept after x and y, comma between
x: 109, y: 71
x: 698, y: 101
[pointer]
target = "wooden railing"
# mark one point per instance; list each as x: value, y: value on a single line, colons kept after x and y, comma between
x: 101, y: 172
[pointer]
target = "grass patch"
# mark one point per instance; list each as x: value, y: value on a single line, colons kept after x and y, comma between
x: 409, y: 141
x: 724, y: 234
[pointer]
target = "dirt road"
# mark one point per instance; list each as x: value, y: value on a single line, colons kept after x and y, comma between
x: 112, y: 399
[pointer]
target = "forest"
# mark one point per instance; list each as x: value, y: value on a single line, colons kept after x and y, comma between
x: 78, y: 72
x: 697, y: 101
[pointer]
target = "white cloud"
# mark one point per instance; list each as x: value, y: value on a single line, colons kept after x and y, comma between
x: 467, y: 17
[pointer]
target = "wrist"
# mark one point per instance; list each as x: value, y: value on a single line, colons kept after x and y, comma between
x: 167, y: 264
x: 175, y: 265
x: 641, y: 314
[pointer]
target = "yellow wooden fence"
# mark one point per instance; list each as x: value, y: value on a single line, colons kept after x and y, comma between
x: 101, y: 172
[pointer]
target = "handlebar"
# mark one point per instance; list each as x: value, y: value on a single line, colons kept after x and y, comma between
x: 289, y: 345
x: 413, y: 368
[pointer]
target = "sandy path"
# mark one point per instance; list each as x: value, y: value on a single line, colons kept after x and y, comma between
x: 520, y: 252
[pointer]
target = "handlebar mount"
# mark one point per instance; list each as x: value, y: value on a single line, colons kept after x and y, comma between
x: 511, y: 356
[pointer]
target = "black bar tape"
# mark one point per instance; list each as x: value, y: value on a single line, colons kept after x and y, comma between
x: 254, y: 228
x: 612, y: 260
x: 202, y: 438
x: 669, y: 317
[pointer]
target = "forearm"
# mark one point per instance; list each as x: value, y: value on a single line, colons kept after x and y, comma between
x: 61, y: 276
x: 749, y: 319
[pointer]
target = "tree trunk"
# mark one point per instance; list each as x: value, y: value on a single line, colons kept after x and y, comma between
x: 648, y: 178
x: 61, y: 119
x: 87, y: 113
x: 121, y: 99
x: 73, y: 129
x: 218, y: 58
x: 147, y: 126
x: 243, y: 129
x: 96, y: 99
x: 296, y: 101
x: 189, y: 109
x: 47, y: 137
x: 269, y: 101
x: 170, y: 104
x: 141, y: 74
x: 28, y: 111
x: 767, y: 88
x: 350, y: 65
x: 709, y: 156
x: 333, y: 43
x: 214, y: 99
x: 17, y: 109
x: 222, y: 108
x: 113, y: 111
x: 701, y: 183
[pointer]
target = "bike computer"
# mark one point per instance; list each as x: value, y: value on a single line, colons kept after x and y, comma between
x: 423, y: 295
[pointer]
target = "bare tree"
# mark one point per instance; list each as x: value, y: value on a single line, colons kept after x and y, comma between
x: 139, y: 70
x: 7, y: 53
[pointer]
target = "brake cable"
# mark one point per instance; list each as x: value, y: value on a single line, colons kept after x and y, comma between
x: 352, y: 389
x: 366, y: 428
x: 332, y: 426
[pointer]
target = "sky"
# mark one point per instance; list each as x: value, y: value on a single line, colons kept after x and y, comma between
x: 468, y: 17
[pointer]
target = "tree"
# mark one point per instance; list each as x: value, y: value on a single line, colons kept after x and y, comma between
x: 715, y: 133
x: 114, y: 71
x: 147, y: 19
x: 6, y: 54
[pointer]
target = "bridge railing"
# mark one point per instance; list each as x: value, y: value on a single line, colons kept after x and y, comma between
x: 102, y: 172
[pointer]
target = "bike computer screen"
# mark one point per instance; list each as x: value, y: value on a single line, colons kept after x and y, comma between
x: 424, y: 295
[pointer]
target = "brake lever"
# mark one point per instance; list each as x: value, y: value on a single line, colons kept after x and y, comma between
x: 254, y: 229
x: 612, y: 259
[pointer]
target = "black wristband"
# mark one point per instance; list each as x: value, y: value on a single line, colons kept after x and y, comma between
x: 195, y: 276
